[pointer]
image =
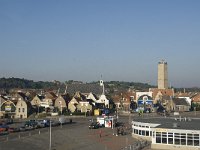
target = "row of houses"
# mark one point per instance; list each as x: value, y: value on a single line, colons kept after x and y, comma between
x: 19, y: 105
x: 88, y: 97
x: 153, y: 98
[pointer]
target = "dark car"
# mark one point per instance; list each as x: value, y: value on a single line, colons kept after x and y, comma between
x: 31, y: 123
x: 94, y: 125
x: 11, y: 130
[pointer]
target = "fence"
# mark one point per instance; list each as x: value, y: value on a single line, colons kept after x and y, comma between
x: 23, y: 134
x: 137, y: 146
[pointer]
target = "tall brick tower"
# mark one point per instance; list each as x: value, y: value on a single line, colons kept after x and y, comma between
x: 162, y: 75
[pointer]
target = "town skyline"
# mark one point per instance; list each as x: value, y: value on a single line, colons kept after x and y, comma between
x: 84, y: 40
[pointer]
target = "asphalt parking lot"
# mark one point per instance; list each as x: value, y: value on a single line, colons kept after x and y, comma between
x: 73, y: 136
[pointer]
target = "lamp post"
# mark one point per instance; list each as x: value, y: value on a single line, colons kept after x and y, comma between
x: 60, y: 107
x: 38, y: 108
x: 50, y: 134
x: 0, y: 106
x: 0, y: 103
x: 61, y: 117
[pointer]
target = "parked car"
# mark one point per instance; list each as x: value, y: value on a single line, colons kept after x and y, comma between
x: 6, y: 121
x: 46, y: 122
x: 32, y: 123
x: 40, y: 123
x: 11, y: 130
x: 4, y: 128
x: 53, y: 123
x: 4, y: 132
x: 94, y: 125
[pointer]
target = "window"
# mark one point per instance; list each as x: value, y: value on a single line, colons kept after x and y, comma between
x: 164, y: 137
x: 189, y: 139
x: 143, y: 132
x: 19, y: 110
x: 177, y: 138
x: 136, y: 131
x: 158, y: 137
x: 183, y: 139
x: 196, y: 139
x: 147, y: 133
x: 23, y: 109
x: 170, y: 138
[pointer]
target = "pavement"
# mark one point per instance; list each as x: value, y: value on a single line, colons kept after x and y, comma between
x: 73, y: 136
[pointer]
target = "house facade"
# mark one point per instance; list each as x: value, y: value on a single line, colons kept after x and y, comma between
x: 72, y: 105
x: 181, y: 105
x: 36, y: 101
x: 8, y: 108
x: 84, y: 106
x: 62, y: 102
x: 23, y: 109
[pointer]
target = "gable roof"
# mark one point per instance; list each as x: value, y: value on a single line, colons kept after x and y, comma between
x: 21, y: 95
x: 66, y: 97
x: 180, y: 101
x: 84, y: 88
x: 166, y: 97
x: 155, y: 91
x: 50, y: 95
x: 196, y: 97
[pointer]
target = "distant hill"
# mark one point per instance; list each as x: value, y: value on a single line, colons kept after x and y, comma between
x: 110, y: 86
x: 122, y: 85
x: 10, y: 83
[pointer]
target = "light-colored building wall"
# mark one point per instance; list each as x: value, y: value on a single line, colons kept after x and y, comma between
x: 21, y: 109
x: 60, y: 103
x: 36, y: 101
x: 162, y: 75
x: 72, y: 105
x: 84, y: 107
x: 138, y: 94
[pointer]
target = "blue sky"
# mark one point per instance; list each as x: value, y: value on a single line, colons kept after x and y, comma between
x: 84, y: 39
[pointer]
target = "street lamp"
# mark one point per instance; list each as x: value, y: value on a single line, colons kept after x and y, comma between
x: 0, y: 103
x: 61, y: 118
x: 38, y: 108
x: 50, y: 134
x: 0, y: 106
x: 60, y: 106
